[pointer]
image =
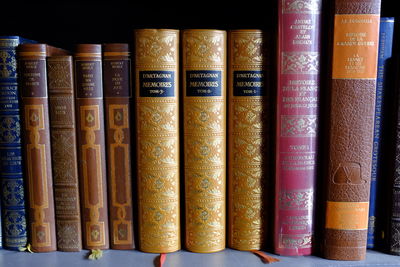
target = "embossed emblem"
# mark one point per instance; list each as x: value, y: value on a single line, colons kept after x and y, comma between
x: 156, y: 48
x: 204, y: 49
x: 10, y: 129
x: 348, y: 173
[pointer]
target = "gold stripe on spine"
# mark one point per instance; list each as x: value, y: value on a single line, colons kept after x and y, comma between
x: 118, y: 115
x: 204, y: 144
x: 34, y: 121
x: 247, y: 143
x: 30, y: 54
x: 113, y: 54
x: 157, y: 120
x: 90, y: 123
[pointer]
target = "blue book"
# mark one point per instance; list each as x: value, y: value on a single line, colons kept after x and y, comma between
x: 11, y: 168
x: 384, y: 54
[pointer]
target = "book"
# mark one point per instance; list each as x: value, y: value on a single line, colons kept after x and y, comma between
x: 36, y: 140
x: 117, y: 104
x: 91, y: 146
x: 297, y: 101
x: 351, y: 127
x: 247, y: 140
x: 157, y: 139
x: 11, y: 167
x: 63, y: 152
x: 204, y: 128
x: 386, y: 28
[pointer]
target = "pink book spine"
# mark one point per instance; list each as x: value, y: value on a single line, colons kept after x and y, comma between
x: 297, y: 121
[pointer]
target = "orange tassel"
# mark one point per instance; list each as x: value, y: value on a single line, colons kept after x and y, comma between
x: 163, y: 257
x: 264, y: 257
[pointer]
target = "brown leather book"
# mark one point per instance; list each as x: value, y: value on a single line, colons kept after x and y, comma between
x: 157, y: 139
x: 204, y: 127
x: 117, y: 100
x: 247, y: 140
x: 37, y: 152
x: 63, y: 152
x: 352, y: 109
x: 91, y: 145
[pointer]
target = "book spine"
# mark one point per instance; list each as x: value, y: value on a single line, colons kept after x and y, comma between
x: 247, y: 140
x: 11, y: 168
x: 351, y: 128
x: 117, y: 100
x: 63, y: 152
x: 204, y: 126
x: 91, y: 146
x: 384, y: 54
x: 157, y: 139
x: 296, y: 125
x: 37, y: 155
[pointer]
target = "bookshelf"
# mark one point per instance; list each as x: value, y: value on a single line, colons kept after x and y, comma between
x: 65, y: 23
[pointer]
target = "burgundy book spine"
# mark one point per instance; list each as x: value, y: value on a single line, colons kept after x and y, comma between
x: 296, y: 128
x: 117, y: 99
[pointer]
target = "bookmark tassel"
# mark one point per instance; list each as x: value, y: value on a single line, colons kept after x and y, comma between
x: 163, y: 257
x: 264, y: 257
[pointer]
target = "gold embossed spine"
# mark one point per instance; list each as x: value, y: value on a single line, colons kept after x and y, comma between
x: 247, y: 140
x: 204, y: 142
x: 157, y: 124
x: 91, y: 146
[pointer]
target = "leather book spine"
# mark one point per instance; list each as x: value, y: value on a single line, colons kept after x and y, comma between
x: 204, y: 127
x: 91, y: 146
x: 11, y: 167
x: 296, y: 125
x: 351, y: 127
x: 394, y: 216
x: 157, y: 139
x: 247, y: 140
x: 384, y: 54
x: 117, y: 100
x: 37, y: 151
x: 64, y: 152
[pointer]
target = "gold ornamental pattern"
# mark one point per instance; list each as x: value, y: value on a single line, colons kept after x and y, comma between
x: 205, y: 143
x: 157, y: 123
x: 247, y: 144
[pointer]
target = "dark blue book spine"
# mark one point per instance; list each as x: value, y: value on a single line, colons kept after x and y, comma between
x: 12, y: 183
x: 384, y: 54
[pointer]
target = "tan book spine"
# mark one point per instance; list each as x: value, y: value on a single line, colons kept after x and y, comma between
x: 63, y: 151
x: 157, y: 124
x: 91, y: 146
x: 204, y: 119
x: 247, y: 139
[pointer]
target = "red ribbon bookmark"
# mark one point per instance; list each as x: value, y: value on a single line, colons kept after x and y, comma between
x: 264, y: 257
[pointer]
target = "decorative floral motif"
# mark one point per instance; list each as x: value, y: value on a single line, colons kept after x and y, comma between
x: 10, y: 129
x: 63, y: 157
x: 8, y: 64
x: 59, y: 74
x: 301, y: 6
x: 160, y: 117
x: 14, y: 224
x: 249, y: 116
x: 299, y: 125
x: 248, y: 49
x: 205, y: 48
x: 296, y: 200
x: 204, y: 116
x: 293, y: 241
x: 300, y: 62
x: 156, y: 48
x: 13, y: 193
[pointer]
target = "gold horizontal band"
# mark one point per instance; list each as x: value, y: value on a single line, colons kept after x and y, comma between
x: 28, y: 54
x: 116, y: 54
x: 88, y: 55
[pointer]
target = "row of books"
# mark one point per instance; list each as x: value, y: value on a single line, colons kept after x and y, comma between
x: 68, y: 120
